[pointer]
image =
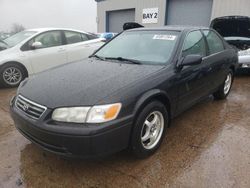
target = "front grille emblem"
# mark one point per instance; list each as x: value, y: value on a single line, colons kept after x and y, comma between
x: 29, y: 108
x: 25, y: 107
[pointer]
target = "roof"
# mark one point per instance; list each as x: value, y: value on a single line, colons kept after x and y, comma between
x: 52, y: 29
x: 170, y: 27
x: 232, y: 17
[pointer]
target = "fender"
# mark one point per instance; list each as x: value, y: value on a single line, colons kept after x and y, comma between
x: 153, y: 94
x: 20, y: 64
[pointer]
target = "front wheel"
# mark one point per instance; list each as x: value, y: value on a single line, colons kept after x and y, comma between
x: 11, y: 75
x: 225, y: 89
x: 149, y: 129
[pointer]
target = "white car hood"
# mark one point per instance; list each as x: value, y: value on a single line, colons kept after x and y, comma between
x: 7, y: 54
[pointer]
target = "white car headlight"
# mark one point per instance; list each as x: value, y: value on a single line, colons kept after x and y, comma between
x: 96, y: 114
x: 74, y: 114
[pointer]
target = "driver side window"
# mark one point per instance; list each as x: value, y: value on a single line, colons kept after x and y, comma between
x: 194, y: 44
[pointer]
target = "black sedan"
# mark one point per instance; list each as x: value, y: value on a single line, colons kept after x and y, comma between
x: 125, y: 94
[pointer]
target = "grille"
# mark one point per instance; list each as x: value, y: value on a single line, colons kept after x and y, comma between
x: 30, y: 108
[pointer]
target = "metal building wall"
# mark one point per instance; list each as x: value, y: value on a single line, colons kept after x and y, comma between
x: 139, y: 5
x: 189, y: 12
x: 230, y: 7
x: 220, y: 8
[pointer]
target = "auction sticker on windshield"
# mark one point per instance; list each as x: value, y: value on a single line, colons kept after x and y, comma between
x: 164, y: 37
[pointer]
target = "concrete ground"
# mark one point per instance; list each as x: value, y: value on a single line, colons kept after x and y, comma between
x: 207, y: 146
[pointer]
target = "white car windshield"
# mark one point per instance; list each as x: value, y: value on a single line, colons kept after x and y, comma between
x: 3, y: 44
x: 19, y: 37
x: 146, y: 47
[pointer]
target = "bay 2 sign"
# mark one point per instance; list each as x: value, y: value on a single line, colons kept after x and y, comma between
x: 150, y: 15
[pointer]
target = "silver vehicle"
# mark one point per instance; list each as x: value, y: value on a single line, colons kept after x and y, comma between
x: 236, y: 31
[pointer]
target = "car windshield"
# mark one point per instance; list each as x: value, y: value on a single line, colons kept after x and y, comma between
x: 19, y: 37
x: 146, y: 47
x: 3, y: 44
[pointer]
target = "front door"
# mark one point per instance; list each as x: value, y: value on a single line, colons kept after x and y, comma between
x: 51, y: 53
x: 193, y: 80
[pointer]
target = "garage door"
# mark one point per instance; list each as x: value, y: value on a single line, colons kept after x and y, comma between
x: 116, y: 19
x: 189, y: 12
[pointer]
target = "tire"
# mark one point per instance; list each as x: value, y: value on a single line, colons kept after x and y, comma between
x: 140, y: 146
x: 14, y: 71
x: 225, y: 88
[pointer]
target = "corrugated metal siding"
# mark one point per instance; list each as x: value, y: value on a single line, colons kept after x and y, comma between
x: 189, y: 12
x: 220, y: 8
x: 110, y: 5
x: 117, y: 18
x: 230, y: 7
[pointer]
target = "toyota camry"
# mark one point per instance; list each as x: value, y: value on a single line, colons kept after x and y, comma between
x: 126, y: 93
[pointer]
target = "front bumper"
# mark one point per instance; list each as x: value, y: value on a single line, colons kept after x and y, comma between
x: 74, y: 140
x: 244, y: 61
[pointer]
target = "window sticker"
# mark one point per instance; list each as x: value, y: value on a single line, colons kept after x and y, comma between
x: 164, y: 37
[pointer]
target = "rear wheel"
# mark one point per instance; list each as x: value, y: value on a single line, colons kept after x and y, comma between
x: 11, y: 75
x: 149, y: 129
x: 225, y: 88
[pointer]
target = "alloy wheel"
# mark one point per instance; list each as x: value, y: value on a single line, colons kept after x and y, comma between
x: 228, y: 84
x: 152, y: 130
x: 12, y: 75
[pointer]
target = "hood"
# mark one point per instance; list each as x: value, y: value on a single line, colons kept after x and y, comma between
x: 3, y: 45
x: 2, y: 48
x: 235, y: 29
x: 82, y: 83
x: 6, y: 52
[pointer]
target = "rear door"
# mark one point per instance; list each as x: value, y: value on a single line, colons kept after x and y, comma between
x: 80, y: 45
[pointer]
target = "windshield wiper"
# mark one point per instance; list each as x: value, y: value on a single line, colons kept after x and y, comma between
x: 98, y: 57
x: 133, y: 61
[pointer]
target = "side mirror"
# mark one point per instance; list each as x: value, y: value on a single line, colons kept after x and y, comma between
x: 131, y: 25
x: 36, y: 45
x: 191, y: 60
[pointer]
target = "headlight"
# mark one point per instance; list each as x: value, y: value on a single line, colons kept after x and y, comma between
x: 103, y: 113
x: 74, y: 115
x: 96, y: 114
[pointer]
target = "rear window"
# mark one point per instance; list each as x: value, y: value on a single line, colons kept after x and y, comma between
x: 92, y: 36
x: 215, y: 44
x: 73, y: 37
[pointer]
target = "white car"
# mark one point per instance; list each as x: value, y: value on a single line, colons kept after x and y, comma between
x: 35, y: 50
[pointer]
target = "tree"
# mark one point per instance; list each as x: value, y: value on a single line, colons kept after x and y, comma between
x: 16, y: 28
